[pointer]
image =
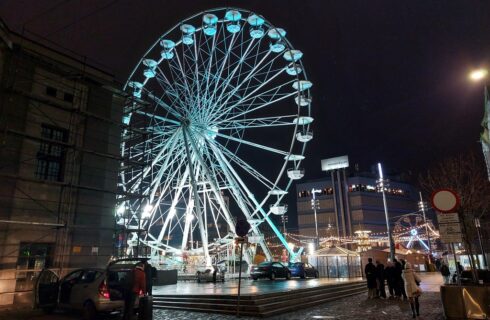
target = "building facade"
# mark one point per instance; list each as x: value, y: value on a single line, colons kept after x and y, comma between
x: 59, y: 157
x: 350, y: 204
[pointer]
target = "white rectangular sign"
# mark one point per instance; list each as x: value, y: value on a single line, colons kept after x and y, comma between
x: 450, y: 232
x: 255, y: 239
x: 448, y: 217
x: 335, y: 163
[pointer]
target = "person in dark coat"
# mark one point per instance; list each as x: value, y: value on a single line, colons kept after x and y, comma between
x: 149, y: 276
x: 400, y: 285
x: 444, y: 269
x: 390, y: 274
x: 370, y: 272
x: 137, y: 286
x: 380, y: 280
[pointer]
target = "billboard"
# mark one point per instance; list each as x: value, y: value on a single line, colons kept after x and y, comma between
x: 335, y: 163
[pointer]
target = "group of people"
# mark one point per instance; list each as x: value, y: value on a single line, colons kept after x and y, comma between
x: 402, y: 282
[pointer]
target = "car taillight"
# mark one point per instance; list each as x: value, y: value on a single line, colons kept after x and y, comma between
x: 141, y: 293
x: 103, y: 290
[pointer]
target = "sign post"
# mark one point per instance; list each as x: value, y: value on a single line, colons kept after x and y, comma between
x: 447, y: 202
x: 241, y: 229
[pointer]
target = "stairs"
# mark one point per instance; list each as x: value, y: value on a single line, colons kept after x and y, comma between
x: 260, y: 305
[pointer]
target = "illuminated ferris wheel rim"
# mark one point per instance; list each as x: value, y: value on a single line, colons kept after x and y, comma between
x: 182, y: 123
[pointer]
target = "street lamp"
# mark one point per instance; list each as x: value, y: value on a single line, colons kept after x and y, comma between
x: 423, y: 207
x: 315, y: 204
x: 478, y: 74
x: 381, y: 183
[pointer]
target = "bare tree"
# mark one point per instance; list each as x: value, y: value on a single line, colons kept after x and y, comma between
x: 466, y: 175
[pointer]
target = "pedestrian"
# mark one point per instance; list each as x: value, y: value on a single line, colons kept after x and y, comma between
x: 137, y: 286
x: 439, y: 264
x: 390, y: 274
x: 412, y: 289
x: 380, y: 280
x: 149, y: 277
x: 444, y: 269
x: 400, y: 288
x: 370, y: 272
x: 459, y: 271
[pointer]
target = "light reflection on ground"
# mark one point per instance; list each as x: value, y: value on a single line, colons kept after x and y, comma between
x: 248, y: 287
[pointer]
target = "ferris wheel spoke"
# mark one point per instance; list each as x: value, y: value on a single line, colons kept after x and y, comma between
x: 254, y: 107
x: 267, y: 122
x: 244, y: 165
x: 164, y: 106
x: 226, y: 82
x: 275, y: 89
x: 207, y: 173
x: 249, y: 143
x: 244, y: 81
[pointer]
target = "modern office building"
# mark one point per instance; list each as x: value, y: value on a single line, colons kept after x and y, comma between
x: 59, y: 156
x: 350, y: 204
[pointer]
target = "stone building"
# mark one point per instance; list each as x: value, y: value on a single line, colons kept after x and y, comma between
x: 59, y: 156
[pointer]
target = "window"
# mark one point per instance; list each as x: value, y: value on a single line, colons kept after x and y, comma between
x: 50, y: 157
x: 50, y: 91
x: 68, y: 97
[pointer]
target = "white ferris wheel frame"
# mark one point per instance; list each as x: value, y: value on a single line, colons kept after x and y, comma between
x: 184, y: 160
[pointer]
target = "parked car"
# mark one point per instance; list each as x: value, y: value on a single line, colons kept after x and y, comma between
x: 271, y: 270
x: 213, y: 274
x: 90, y: 290
x: 302, y: 270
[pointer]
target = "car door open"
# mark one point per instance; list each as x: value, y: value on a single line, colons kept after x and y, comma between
x: 47, y: 289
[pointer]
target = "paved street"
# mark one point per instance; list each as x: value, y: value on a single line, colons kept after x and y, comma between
x: 355, y: 307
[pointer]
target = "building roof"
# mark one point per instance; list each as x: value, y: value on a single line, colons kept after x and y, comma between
x: 335, y: 251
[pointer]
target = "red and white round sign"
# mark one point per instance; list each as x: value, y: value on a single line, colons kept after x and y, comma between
x: 445, y: 200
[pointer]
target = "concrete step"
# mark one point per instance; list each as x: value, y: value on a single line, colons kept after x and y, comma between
x: 261, y: 305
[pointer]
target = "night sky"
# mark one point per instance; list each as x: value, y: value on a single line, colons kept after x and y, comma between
x: 390, y: 77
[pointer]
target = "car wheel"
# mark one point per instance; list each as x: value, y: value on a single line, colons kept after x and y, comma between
x: 254, y: 278
x: 316, y: 274
x: 273, y: 276
x: 303, y: 275
x: 89, y: 312
x: 288, y: 276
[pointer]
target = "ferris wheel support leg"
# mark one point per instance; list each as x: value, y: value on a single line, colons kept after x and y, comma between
x: 214, y: 187
x: 259, y: 207
x: 238, y: 197
x: 174, y: 204
x: 204, y: 237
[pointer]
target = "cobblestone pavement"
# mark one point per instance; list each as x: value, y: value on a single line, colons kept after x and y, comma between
x: 355, y: 307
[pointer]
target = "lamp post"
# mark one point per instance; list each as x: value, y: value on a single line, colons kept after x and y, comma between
x: 382, y: 183
x: 315, y: 205
x: 479, y: 75
x: 478, y: 232
x: 422, y: 207
x: 284, y: 220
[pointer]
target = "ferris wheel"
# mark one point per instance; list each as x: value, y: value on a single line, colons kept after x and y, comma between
x: 410, y: 228
x: 216, y: 129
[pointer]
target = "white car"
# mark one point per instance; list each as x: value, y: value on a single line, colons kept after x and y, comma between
x: 91, y: 290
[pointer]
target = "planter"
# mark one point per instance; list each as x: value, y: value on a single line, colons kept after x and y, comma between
x: 466, y: 301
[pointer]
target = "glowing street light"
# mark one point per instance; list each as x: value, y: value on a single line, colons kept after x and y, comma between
x: 382, y: 183
x: 478, y: 74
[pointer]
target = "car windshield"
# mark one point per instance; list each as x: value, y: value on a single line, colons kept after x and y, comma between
x: 295, y: 264
x: 265, y: 264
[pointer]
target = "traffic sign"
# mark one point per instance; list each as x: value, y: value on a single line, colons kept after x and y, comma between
x: 242, y: 227
x: 451, y: 217
x: 450, y: 232
x: 445, y: 200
